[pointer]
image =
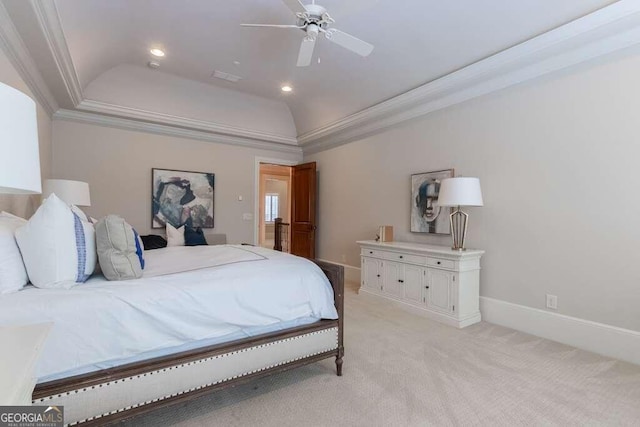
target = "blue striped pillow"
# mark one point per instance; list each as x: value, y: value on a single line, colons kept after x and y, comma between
x: 139, y: 248
x: 81, y: 249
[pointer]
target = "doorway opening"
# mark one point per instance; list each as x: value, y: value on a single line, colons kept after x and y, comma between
x: 274, y: 197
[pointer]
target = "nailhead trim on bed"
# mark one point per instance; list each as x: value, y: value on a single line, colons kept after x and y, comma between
x: 333, y: 330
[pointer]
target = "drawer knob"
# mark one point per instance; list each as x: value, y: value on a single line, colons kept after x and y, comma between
x: 371, y: 252
x: 439, y: 263
x: 400, y: 256
x: 378, y: 275
x: 426, y: 287
x: 400, y: 280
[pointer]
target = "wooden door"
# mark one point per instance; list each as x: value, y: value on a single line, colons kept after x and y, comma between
x: 303, y: 210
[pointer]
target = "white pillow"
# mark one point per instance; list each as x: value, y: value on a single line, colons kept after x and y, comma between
x: 13, y: 275
x: 58, y: 247
x: 76, y: 210
x: 175, y: 236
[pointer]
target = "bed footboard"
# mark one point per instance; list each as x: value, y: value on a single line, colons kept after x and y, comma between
x: 112, y: 395
x: 335, y: 274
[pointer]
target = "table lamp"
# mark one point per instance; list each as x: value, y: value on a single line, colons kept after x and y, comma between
x: 70, y: 192
x: 457, y: 192
x: 20, y: 158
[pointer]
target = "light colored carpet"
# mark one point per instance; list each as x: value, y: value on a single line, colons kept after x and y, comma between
x: 405, y: 370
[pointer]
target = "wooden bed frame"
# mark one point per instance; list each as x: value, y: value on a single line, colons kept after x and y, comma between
x: 232, y: 363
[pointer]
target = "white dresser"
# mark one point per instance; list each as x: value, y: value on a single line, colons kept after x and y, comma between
x: 433, y: 280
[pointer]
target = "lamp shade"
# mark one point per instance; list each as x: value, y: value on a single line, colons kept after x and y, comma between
x: 70, y: 192
x: 460, y: 191
x: 20, y: 158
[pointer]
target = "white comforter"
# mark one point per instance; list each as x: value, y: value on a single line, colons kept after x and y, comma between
x: 240, y: 288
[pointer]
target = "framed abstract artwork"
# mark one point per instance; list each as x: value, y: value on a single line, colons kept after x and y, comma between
x: 182, y: 198
x: 426, y: 215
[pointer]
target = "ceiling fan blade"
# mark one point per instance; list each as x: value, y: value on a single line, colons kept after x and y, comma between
x: 296, y: 6
x: 347, y: 41
x: 306, y: 52
x: 270, y: 25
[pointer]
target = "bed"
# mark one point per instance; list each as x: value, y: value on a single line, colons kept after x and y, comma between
x: 201, y: 318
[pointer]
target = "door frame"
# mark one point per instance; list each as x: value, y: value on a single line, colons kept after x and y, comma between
x: 256, y: 189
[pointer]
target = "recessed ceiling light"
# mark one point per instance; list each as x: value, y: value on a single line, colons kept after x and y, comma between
x: 286, y: 88
x: 236, y: 62
x: 157, y: 52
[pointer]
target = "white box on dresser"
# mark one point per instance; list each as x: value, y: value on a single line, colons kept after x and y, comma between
x: 436, y: 281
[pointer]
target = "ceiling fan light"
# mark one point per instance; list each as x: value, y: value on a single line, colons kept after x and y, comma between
x: 312, y: 31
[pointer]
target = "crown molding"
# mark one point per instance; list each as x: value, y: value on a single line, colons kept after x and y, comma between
x: 51, y: 26
x: 13, y: 45
x: 161, y: 129
x: 605, y: 31
x: 48, y: 18
x: 171, y: 120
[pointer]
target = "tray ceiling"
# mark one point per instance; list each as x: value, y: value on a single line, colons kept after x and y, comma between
x: 107, y: 46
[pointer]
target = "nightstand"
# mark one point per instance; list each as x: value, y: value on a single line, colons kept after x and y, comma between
x: 21, y: 345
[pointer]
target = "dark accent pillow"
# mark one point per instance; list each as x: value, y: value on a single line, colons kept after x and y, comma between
x: 153, y: 241
x: 194, y: 237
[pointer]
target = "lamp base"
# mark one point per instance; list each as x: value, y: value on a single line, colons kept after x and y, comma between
x: 458, y: 221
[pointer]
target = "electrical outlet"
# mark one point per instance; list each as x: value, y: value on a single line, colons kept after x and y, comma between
x: 552, y: 302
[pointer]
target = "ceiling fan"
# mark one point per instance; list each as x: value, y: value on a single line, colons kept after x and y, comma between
x: 313, y: 19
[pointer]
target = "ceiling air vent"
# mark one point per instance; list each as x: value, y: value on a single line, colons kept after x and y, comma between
x: 226, y: 76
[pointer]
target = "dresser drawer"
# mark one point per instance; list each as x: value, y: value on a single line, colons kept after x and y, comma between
x: 441, y: 263
x: 408, y: 258
x: 394, y: 256
x: 372, y: 253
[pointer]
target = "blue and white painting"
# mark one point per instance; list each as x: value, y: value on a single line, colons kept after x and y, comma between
x: 426, y: 215
x: 182, y: 198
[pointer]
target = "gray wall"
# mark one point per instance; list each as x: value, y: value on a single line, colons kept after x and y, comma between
x: 117, y: 165
x: 25, y: 206
x: 558, y: 162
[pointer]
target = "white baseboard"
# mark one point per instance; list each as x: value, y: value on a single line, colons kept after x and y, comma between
x: 351, y: 273
x: 607, y: 340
